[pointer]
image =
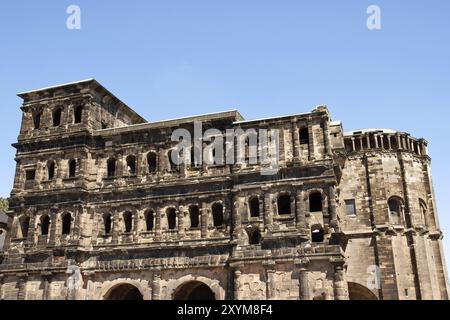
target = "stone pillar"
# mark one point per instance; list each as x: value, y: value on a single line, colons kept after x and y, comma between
x: 375, y: 136
x: 115, y: 227
x: 2, y: 280
x: 204, y: 220
x: 295, y: 141
x: 53, y: 224
x: 311, y: 140
x: 302, y: 266
x: 90, y: 285
x: 368, y: 140
x: 339, y: 284
x: 389, y: 142
x: 47, y: 279
x: 21, y: 284
x: 353, y: 144
x: 382, y: 141
x: 158, y: 226
x: 332, y: 204
x: 326, y: 134
x: 181, y: 228
x: 31, y: 230
x: 270, y: 281
x: 268, y: 212
x: 237, y: 219
x: 156, y: 285
x: 300, y: 210
x: 237, y: 284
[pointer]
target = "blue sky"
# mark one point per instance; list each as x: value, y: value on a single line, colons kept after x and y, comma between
x: 170, y: 59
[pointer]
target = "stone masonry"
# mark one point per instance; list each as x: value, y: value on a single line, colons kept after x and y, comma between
x: 99, y: 211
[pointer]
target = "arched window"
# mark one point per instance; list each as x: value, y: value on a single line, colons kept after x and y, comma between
x: 150, y: 220
x: 171, y: 218
x: 24, y: 222
x: 254, y: 237
x: 317, y: 234
x: 194, y: 215
x: 37, y: 120
x: 254, y: 207
x: 174, y: 160
x: 72, y: 168
x: 217, y: 213
x: 111, y: 168
x: 131, y: 165
x: 284, y: 204
x: 107, y: 223
x: 57, y: 117
x: 66, y: 223
x: 78, y: 112
x: 423, y: 211
x: 128, y: 221
x: 51, y: 170
x: 315, y: 202
x: 395, y: 210
x: 45, y: 225
x: 151, y: 162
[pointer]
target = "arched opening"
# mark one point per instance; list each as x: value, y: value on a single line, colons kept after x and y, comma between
x: 51, y: 170
x: 124, y: 292
x: 72, y: 168
x: 66, y: 223
x: 57, y: 117
x: 359, y: 292
x: 128, y: 221
x: 45, y: 225
x: 254, y: 207
x: 395, y: 210
x: 37, y: 120
x: 317, y: 234
x: 149, y: 220
x: 254, y: 236
x: 174, y: 160
x: 194, y: 290
x: 131, y: 165
x: 194, y: 215
x: 315, y: 202
x: 111, y: 168
x: 78, y: 112
x: 107, y: 223
x: 284, y: 205
x: 151, y: 162
x: 171, y: 218
x: 217, y: 213
x: 24, y: 222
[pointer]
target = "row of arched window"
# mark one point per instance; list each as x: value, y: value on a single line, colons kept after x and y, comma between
x: 57, y: 115
x: 51, y: 169
x: 44, y: 225
x: 128, y: 223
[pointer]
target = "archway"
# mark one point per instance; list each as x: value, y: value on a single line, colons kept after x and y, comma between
x: 359, y: 292
x: 194, y: 290
x: 124, y: 292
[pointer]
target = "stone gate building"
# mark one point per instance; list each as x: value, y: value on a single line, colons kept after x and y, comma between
x: 100, y: 211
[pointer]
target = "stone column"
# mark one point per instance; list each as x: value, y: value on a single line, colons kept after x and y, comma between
x: 300, y: 210
x: 237, y: 219
x: 181, y: 229
x: 353, y: 144
x: 237, y: 284
x: 2, y: 280
x: 158, y: 226
x: 204, y: 220
x: 326, y: 135
x: 268, y: 212
x: 90, y: 285
x: 53, y: 224
x: 21, y: 284
x: 270, y: 281
x: 115, y: 227
x: 368, y: 140
x: 332, y: 205
x: 31, y: 229
x: 47, y: 278
x: 302, y: 266
x: 340, y: 292
x: 156, y: 285
x: 295, y: 141
x: 311, y: 140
